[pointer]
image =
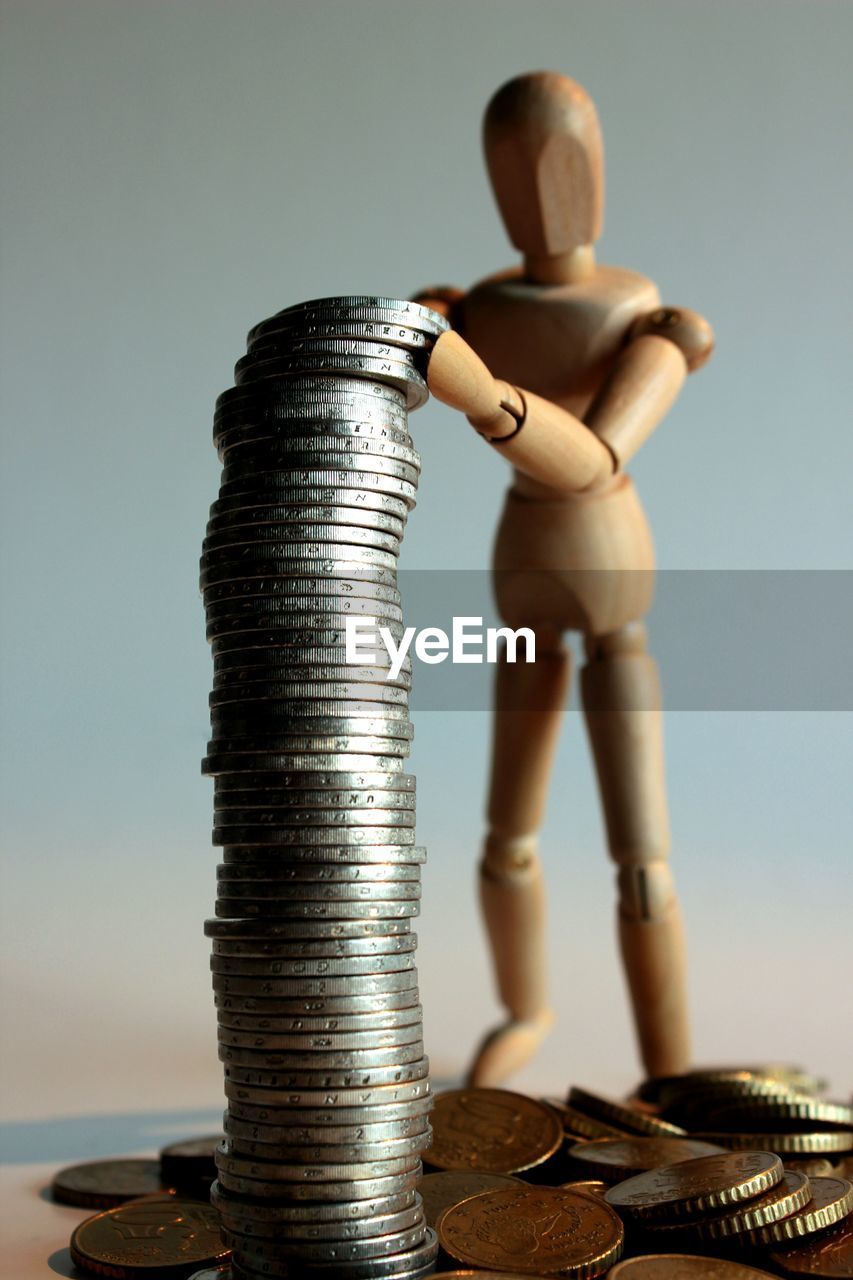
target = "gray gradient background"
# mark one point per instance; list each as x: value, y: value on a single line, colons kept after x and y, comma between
x: 173, y: 172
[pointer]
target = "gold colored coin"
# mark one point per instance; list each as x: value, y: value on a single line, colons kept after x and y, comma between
x: 765, y: 1109
x: 440, y: 1191
x: 615, y: 1159
x: 491, y: 1130
x: 540, y: 1230
x: 169, y: 1237
x: 620, y: 1116
x: 807, y: 1144
x: 682, y: 1266
x: 591, y: 1186
x: 828, y: 1255
x: 696, y: 1186
x: 787, y: 1197
x: 577, y: 1125
x: 832, y: 1200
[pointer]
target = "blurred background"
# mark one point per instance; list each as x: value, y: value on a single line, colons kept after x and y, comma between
x: 174, y: 172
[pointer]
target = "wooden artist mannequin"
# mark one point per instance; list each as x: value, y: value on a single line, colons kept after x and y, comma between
x: 566, y: 367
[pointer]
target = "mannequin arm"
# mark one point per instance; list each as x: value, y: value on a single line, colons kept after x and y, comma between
x: 663, y: 347
x: 538, y: 437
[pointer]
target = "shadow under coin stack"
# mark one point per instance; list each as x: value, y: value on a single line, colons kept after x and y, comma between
x: 313, y: 962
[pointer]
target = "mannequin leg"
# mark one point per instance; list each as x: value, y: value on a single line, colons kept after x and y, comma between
x: 622, y: 706
x: 529, y: 703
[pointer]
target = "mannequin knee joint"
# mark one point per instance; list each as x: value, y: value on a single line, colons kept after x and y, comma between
x: 646, y: 890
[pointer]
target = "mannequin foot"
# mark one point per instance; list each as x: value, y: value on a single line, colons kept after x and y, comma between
x: 507, y: 1049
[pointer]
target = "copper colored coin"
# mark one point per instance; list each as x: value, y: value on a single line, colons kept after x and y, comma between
x: 167, y: 1238
x: 103, y: 1184
x: 441, y: 1191
x: 615, y: 1159
x: 682, y: 1266
x: 832, y: 1201
x: 696, y: 1186
x: 620, y: 1116
x: 829, y: 1254
x: 742, y: 1223
x: 491, y: 1130
x: 591, y: 1186
x: 540, y: 1230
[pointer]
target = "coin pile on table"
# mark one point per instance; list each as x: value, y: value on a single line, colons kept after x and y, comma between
x: 320, y: 1028
x: 758, y: 1185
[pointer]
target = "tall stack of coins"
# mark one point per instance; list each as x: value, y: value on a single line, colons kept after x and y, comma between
x: 313, y: 960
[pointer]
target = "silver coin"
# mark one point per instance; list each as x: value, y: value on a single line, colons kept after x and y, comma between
x: 347, y: 308
x: 324, y: 498
x: 301, y: 782
x: 310, y: 389
x: 253, y: 1023
x: 395, y: 1266
x: 360, y: 799
x: 274, y: 666
x: 324, y: 1154
x: 270, y: 666
x: 395, y: 373
x: 338, y: 1253
x: 328, y: 1117
x: 299, y: 681
x: 316, y: 1042
x: 365, y: 330
x: 322, y: 594
x: 315, y: 967
x: 284, y: 872
x: 260, y: 891
x: 290, y: 636
x: 301, y: 762
x: 326, y: 610
x: 300, y: 694
x: 324, y: 716
x: 331, y: 345
x: 350, y: 445
x: 287, y: 461
x: 345, y: 855
x: 316, y: 474
x: 323, y: 574
x: 337, y: 1060
x: 345, y: 1189
x: 295, y: 538
x: 284, y: 453
x: 332, y: 1171
x: 326, y: 1077
x: 339, y: 836
x: 364, y: 985
x: 283, y: 875
x: 315, y: 1097
x: 389, y: 428
x: 307, y: 930
x: 351, y: 781
x: 305, y: 1214
x: 271, y: 807
x: 272, y: 952
x: 315, y: 818
x: 306, y: 517
x: 277, y: 909
x: 305, y: 558
x: 355, y: 1229
x: 315, y: 1006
